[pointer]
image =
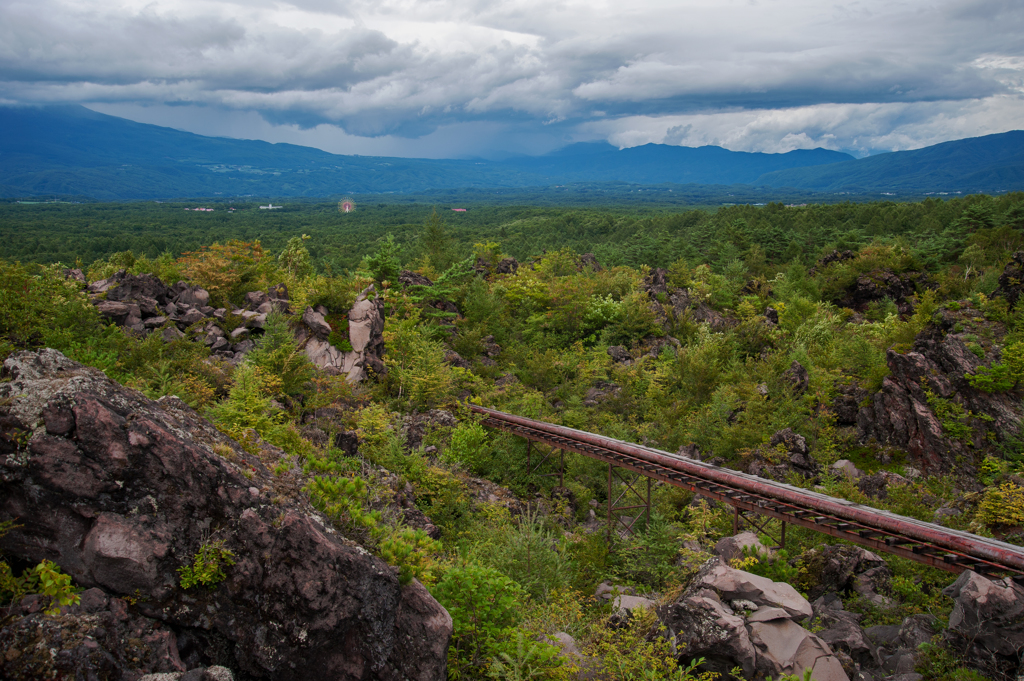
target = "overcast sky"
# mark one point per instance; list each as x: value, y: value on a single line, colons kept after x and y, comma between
x: 447, y: 78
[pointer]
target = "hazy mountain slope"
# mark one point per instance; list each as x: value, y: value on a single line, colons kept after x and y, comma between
x: 979, y: 164
x: 657, y: 163
x: 74, y: 151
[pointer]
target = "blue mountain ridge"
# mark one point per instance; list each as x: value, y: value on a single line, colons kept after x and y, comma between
x: 70, y: 150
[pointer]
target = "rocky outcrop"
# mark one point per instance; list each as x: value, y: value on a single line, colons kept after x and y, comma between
x: 365, y: 334
x: 932, y: 375
x: 1011, y: 281
x: 143, y: 304
x: 733, y: 619
x: 883, y: 283
x: 847, y: 570
x: 987, y: 620
x: 732, y: 548
x: 787, y: 452
x: 121, y: 492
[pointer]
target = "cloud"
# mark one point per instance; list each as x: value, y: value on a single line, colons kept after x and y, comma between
x: 862, y: 75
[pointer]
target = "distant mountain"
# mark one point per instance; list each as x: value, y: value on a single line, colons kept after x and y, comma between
x: 74, y: 151
x: 657, y: 163
x: 992, y: 163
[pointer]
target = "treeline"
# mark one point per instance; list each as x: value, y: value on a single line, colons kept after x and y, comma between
x: 657, y: 236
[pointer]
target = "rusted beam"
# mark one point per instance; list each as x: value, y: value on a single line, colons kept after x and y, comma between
x: 861, y: 525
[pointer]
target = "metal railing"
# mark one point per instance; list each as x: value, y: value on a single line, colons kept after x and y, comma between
x: 941, y: 547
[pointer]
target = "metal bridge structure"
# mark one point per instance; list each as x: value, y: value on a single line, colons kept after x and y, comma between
x: 756, y: 501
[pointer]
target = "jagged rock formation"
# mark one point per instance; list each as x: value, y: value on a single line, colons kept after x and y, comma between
x: 365, y: 334
x: 734, y: 618
x: 903, y: 413
x: 987, y: 622
x: 1011, y: 281
x: 882, y: 283
x: 680, y: 303
x: 122, y: 491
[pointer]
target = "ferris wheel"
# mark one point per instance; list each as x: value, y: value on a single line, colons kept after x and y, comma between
x: 346, y: 205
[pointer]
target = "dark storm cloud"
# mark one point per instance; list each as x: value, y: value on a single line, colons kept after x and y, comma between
x: 629, y: 72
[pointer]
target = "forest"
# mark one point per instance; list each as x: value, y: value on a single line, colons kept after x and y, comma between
x: 674, y: 328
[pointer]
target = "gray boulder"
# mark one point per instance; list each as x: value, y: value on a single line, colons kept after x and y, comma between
x: 731, y: 548
x: 735, y: 584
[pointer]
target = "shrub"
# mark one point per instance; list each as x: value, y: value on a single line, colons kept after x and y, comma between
x: 278, y: 355
x: 483, y: 604
x: 228, y: 270
x: 410, y: 551
x: 207, y: 565
x: 1002, y: 505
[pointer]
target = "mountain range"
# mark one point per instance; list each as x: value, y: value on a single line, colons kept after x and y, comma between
x: 73, y: 151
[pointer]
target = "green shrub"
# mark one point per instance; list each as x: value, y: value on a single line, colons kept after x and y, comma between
x: 207, y: 565
x: 483, y: 604
x: 278, y: 355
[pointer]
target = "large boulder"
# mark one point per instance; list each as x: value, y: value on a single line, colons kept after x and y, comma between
x: 122, y: 491
x: 784, y: 647
x: 733, y: 584
x: 732, y: 548
x: 705, y: 627
x: 130, y: 287
x: 988, y: 613
x: 844, y: 569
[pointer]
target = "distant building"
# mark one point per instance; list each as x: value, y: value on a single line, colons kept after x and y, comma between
x: 270, y: 206
x: 459, y: 210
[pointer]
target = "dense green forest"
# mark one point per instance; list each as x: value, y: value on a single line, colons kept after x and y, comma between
x: 709, y: 372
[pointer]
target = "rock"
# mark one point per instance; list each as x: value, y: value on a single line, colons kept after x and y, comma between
x: 619, y: 354
x: 239, y: 334
x: 988, y: 613
x: 366, y: 333
x: 601, y: 391
x: 75, y: 275
x: 418, y: 425
x: 837, y: 567
x: 117, y: 312
x: 797, y: 377
x: 100, y: 638
x: 455, y: 359
x: 846, y: 468
x: 842, y: 632
x: 733, y: 584
x: 790, y: 441
x: 690, y: 451
x: 191, y: 296
x: 847, y: 403
x: 784, y: 647
x: 588, y: 260
x: 278, y: 292
x: 765, y: 614
x: 409, y: 278
x: 491, y: 348
x: 130, y: 287
x: 1011, y: 281
x: 918, y: 629
x: 771, y: 315
x: 882, y: 283
x: 171, y: 333
x: 243, y: 347
x: 128, y: 493
x: 877, y: 485
x: 630, y: 603
x: 253, y: 299
x: 189, y: 317
x: 704, y: 627
x: 731, y: 548
x: 315, y: 321
x: 655, y: 282
x: 507, y: 266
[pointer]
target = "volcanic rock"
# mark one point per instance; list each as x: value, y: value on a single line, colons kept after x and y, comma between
x: 121, y: 491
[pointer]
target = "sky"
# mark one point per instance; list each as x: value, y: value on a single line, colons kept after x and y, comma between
x: 485, y: 78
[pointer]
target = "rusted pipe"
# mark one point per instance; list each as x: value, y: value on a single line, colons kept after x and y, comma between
x: 962, y: 542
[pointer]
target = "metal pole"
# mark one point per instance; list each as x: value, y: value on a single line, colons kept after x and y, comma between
x: 561, y: 468
x: 648, y: 503
x: 782, y: 542
x: 529, y: 450
x: 735, y: 520
x: 609, y: 502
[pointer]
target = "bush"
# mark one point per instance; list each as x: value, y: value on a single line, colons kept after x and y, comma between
x: 483, y: 604
x: 207, y: 566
